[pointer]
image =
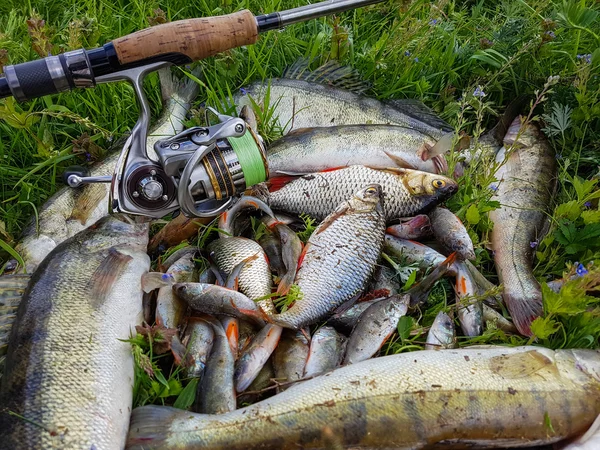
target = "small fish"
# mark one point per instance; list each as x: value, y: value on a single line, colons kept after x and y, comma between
x: 441, y: 334
x: 413, y: 252
x: 414, y: 228
x: 289, y: 358
x: 364, y: 405
x: 469, y: 309
x: 525, y: 188
x: 451, y: 233
x: 374, y: 327
x: 171, y: 310
x: 384, y: 280
x: 291, y: 249
x: 217, y: 395
x: 198, y: 338
x: 346, y: 319
x: 326, y: 352
x: 499, y: 321
x: 163, y: 266
x: 338, y: 259
x: 246, y: 202
x: 407, y: 192
x: 271, y: 244
x: 212, y: 299
x: 255, y: 356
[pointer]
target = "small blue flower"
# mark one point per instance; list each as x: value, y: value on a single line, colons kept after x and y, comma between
x: 586, y: 58
x: 167, y: 276
x: 494, y: 187
x: 478, y: 92
x: 559, y: 156
x: 416, y: 59
x: 551, y: 34
x: 243, y: 91
x: 533, y: 244
x: 433, y: 22
x: 588, y: 204
x: 581, y: 270
x: 406, y: 53
x: 88, y: 156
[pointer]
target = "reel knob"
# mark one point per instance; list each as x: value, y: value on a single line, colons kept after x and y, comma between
x: 73, y: 175
x: 150, y: 188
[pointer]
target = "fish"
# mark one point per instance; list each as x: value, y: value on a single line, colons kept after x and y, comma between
x: 326, y: 352
x: 374, y: 327
x: 217, y: 394
x: 413, y: 252
x: 469, y: 308
x: 255, y: 355
x: 384, y: 280
x: 441, y: 334
x: 70, y: 211
x: 255, y: 279
x: 291, y: 249
x: 164, y: 265
x: 261, y: 386
x: 470, y: 397
x: 290, y: 357
x: 407, y: 192
x: 227, y: 219
x: 213, y: 299
x: 590, y: 440
x: 338, y: 259
x: 449, y: 231
x: 271, y: 244
x: 12, y: 288
x: 198, y: 338
x: 170, y: 309
x: 490, y: 315
x: 413, y: 228
x: 345, y: 320
x: 377, y: 146
x: 332, y: 95
x: 526, y: 184
x: 69, y: 374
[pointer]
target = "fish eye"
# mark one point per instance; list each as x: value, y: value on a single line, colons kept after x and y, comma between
x: 371, y: 190
x: 439, y: 183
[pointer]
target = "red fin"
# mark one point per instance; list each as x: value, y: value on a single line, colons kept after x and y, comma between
x: 333, y: 169
x: 302, y: 255
x: 103, y: 278
x: 523, y: 311
x: 285, y: 284
x: 180, y: 353
x: 277, y: 183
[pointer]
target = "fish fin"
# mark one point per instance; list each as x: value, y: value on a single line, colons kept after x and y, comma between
x: 340, y: 211
x: 418, y: 110
x: 523, y: 311
x: 419, y: 292
x: 186, y: 88
x: 180, y: 353
x: 331, y: 74
x: 520, y: 365
x: 302, y: 254
x: 156, y: 280
x: 259, y: 315
x: 299, y: 131
x: 232, y: 279
x: 277, y: 183
x: 101, y: 281
x: 87, y: 200
x: 399, y: 161
x: 442, y: 146
x: 440, y: 163
x: 232, y: 331
x: 393, y: 170
x: 150, y: 425
x: 286, y: 283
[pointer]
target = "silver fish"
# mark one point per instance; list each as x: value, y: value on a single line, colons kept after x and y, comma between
x: 326, y: 352
x: 414, y: 228
x: 289, y: 358
x: 451, y: 233
x: 198, y: 338
x: 441, y: 334
x: 255, y: 356
x: 469, y: 309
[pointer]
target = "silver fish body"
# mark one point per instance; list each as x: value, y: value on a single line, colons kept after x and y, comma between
x: 469, y: 308
x: 289, y: 358
x: 170, y: 309
x: 441, y: 334
x: 338, y: 259
x: 413, y: 252
x: 451, y: 233
x: 326, y: 352
x: 406, y: 192
x: 527, y: 180
x: 414, y: 228
x: 376, y: 146
x: 255, y: 355
x: 69, y: 375
x: 374, y: 327
x: 198, y: 338
x: 485, y: 398
x: 346, y: 320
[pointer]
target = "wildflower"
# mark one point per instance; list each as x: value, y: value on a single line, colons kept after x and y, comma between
x: 533, y: 244
x: 485, y: 43
x: 588, y: 204
x: 406, y: 53
x: 552, y: 80
x: 416, y: 59
x: 585, y: 58
x: 243, y: 91
x: 88, y: 156
x: 550, y: 34
x: 433, y: 22
x: 581, y: 270
x: 494, y: 187
x: 548, y: 24
x: 478, y: 92
x: 559, y: 156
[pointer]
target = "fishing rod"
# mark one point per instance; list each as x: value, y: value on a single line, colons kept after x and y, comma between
x: 200, y: 171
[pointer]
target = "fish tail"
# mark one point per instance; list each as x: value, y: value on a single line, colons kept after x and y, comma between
x: 186, y: 88
x: 286, y: 283
x: 149, y: 427
x: 524, y: 310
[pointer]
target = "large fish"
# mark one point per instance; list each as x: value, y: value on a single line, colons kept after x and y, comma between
x: 332, y: 95
x: 69, y: 376
x: 71, y: 210
x: 526, y: 183
x: 338, y: 259
x: 376, y: 146
x: 467, y: 398
x: 406, y: 192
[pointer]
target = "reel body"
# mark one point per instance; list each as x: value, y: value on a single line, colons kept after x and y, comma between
x: 200, y: 170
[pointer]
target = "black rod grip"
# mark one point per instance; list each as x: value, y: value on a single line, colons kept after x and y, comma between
x: 4, y: 89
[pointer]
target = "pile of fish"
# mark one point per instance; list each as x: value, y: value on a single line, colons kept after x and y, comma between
x: 286, y: 339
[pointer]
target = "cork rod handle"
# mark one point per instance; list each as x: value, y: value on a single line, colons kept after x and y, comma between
x: 195, y: 38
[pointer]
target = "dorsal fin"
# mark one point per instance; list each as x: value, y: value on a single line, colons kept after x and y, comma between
x: 418, y: 110
x: 331, y: 74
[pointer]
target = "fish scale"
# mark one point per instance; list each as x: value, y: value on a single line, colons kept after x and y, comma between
x: 474, y: 397
x: 255, y: 278
x: 318, y: 194
x: 339, y: 259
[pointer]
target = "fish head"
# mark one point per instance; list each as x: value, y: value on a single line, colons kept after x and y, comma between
x: 424, y: 183
x: 181, y: 290
x: 368, y: 198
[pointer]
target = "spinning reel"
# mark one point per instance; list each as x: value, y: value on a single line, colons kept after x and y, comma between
x: 200, y: 170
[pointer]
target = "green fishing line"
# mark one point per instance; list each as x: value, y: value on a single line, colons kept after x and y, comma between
x: 250, y: 159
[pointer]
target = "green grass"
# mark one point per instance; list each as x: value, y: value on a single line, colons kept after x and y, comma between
x: 439, y: 52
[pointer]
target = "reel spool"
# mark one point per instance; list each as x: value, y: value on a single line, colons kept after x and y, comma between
x: 200, y: 170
